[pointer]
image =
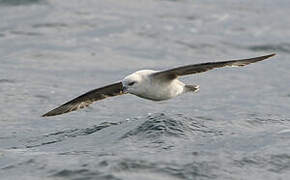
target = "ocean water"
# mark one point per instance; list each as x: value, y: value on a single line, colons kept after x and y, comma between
x: 236, y: 127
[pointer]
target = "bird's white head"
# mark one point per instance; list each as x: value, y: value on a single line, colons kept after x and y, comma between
x: 135, y: 82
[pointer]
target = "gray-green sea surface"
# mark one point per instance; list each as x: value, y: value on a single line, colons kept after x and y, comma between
x: 236, y: 127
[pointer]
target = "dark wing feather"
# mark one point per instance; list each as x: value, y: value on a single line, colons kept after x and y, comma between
x: 198, y: 68
x: 87, y: 98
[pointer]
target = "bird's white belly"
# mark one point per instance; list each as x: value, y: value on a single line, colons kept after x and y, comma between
x: 161, y: 91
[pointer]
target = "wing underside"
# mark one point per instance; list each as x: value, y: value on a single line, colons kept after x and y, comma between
x: 203, y: 67
x: 87, y: 99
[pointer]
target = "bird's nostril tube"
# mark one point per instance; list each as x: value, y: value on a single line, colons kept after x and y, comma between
x: 124, y: 89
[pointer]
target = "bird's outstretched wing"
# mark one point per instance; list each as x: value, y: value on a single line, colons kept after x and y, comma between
x: 87, y: 98
x: 198, y: 68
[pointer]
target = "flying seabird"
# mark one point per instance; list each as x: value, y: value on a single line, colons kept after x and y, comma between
x: 150, y: 84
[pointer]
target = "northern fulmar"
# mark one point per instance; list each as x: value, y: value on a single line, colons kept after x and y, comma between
x: 150, y: 84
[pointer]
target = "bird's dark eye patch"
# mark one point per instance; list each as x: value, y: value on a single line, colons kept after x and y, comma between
x: 131, y: 83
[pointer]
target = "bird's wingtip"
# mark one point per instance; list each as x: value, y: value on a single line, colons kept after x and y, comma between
x: 266, y: 56
x: 270, y: 55
x: 53, y: 112
x: 45, y: 115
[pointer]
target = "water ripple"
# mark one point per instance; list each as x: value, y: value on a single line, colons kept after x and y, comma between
x: 76, y: 174
x: 19, y: 2
x: 50, y: 25
x: 160, y: 125
x: 258, y: 119
x: 130, y: 168
x: 283, y: 47
x: 7, y: 81
x: 71, y: 133
x: 191, y: 170
x: 276, y: 163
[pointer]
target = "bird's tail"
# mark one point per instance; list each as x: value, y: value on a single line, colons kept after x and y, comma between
x: 191, y: 88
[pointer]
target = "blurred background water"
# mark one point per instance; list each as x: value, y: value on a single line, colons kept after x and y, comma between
x: 235, y: 127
